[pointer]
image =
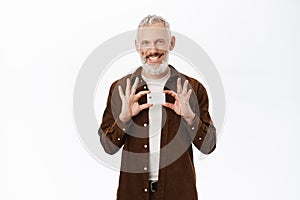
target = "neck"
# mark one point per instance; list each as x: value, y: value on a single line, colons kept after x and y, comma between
x: 152, y: 76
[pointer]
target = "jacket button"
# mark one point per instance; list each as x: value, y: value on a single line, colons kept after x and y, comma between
x: 119, y: 139
x: 145, y: 146
x: 145, y: 168
x: 145, y: 124
x: 145, y: 190
x: 193, y: 128
x: 124, y: 129
x: 200, y: 138
x: 145, y: 87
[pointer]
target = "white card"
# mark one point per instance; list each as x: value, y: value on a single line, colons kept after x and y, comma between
x: 156, y: 98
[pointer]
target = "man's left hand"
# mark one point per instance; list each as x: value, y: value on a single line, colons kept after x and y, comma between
x: 181, y: 106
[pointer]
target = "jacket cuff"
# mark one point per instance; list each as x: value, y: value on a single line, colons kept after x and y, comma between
x: 194, y: 129
x: 124, y: 126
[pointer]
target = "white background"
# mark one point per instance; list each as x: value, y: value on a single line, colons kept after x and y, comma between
x: 254, y: 45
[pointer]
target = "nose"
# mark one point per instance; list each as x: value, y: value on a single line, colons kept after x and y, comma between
x: 152, y: 46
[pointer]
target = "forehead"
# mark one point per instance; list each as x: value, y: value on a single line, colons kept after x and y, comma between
x: 153, y: 32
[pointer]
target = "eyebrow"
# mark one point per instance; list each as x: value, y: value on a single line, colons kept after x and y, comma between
x: 155, y: 40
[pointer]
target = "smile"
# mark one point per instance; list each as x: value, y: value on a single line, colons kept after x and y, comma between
x: 154, y: 57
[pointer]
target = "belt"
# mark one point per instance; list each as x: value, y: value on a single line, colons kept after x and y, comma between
x: 153, y: 186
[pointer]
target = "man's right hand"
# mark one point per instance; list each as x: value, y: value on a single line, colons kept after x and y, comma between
x: 130, y: 105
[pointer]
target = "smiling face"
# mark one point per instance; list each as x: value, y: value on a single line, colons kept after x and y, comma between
x: 153, y: 44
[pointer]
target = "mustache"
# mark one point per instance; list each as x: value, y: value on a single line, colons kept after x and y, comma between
x: 154, y: 54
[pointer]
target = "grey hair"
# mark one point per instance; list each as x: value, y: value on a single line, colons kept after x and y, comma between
x: 153, y: 19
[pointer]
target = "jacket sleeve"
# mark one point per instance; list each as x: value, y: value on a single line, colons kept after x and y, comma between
x: 112, y: 131
x: 202, y: 130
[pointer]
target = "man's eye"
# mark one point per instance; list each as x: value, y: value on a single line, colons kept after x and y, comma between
x: 144, y: 43
x: 159, y: 42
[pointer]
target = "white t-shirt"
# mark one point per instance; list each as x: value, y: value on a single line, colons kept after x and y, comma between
x: 155, y: 120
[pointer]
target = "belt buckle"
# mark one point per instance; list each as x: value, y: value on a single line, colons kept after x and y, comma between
x: 153, y: 186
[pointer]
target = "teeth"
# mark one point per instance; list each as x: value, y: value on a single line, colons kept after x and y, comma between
x: 153, y: 57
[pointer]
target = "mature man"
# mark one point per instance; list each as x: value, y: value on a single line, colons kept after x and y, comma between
x: 156, y: 113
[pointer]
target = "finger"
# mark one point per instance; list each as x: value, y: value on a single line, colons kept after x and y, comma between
x: 121, y: 92
x: 146, y: 105
x: 170, y: 92
x: 140, y: 94
x: 184, y: 89
x: 133, y: 89
x: 179, y: 87
x: 189, y: 93
x: 127, y: 90
x: 169, y: 105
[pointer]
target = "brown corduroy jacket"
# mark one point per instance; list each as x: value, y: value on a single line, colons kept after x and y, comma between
x: 177, y: 179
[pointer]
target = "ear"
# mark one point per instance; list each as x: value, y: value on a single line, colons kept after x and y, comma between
x: 172, y: 43
x: 136, y: 46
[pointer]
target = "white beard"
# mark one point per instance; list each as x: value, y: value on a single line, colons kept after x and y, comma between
x: 155, y: 69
